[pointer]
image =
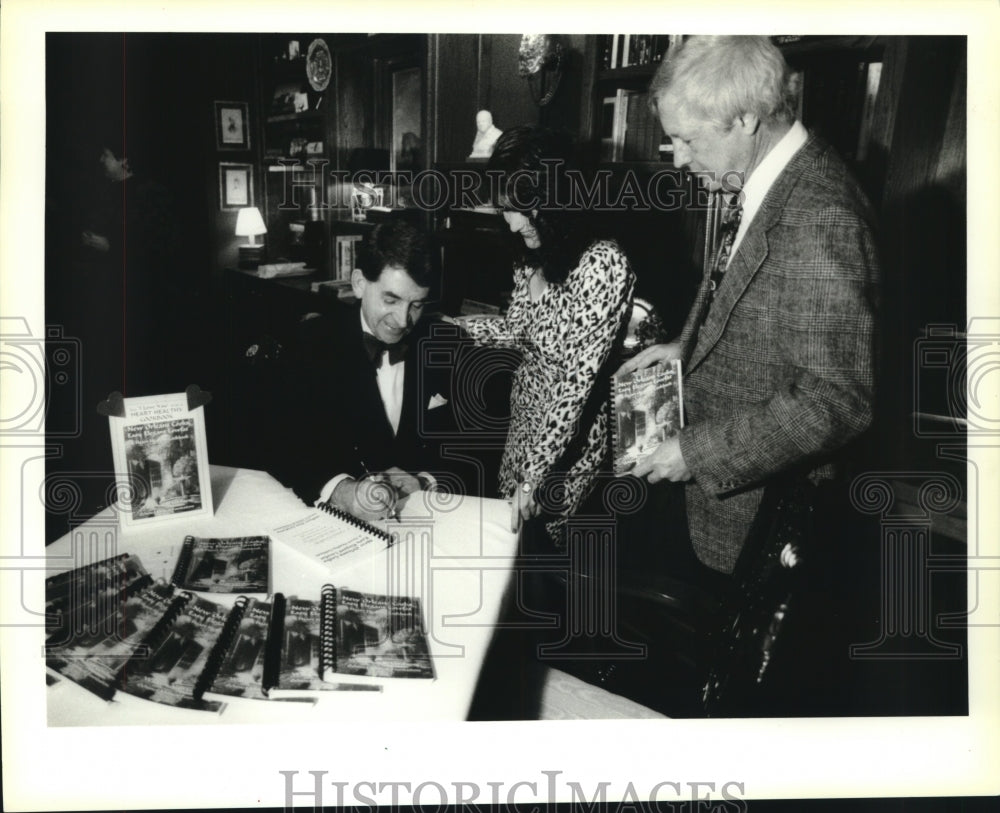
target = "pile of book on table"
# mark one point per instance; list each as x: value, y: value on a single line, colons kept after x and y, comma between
x: 111, y: 628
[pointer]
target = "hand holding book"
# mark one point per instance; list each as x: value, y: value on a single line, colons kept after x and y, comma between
x: 647, y: 413
x: 654, y: 354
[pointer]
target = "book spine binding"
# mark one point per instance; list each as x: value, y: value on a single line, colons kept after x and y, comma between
x: 155, y: 637
x: 615, y: 441
x: 273, y: 647
x: 183, y: 562
x: 328, y: 630
x: 680, y: 392
x: 63, y: 631
x: 221, y: 648
x: 62, y: 579
x: 357, y: 523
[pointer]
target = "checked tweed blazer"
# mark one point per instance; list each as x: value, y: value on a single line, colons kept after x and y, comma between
x: 779, y: 375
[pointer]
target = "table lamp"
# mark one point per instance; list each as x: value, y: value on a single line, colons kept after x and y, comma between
x: 249, y: 223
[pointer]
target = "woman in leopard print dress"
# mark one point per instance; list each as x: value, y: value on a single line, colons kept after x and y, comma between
x: 569, y: 308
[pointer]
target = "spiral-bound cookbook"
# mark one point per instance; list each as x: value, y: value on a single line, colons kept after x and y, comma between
x: 291, y: 646
x: 647, y: 408
x: 237, y: 564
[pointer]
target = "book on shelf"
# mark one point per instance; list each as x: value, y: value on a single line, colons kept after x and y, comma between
x: 347, y: 260
x: 615, y: 113
x: 330, y: 537
x: 628, y: 50
x: 630, y: 131
x: 647, y: 408
x: 234, y: 565
x: 161, y: 456
x: 641, y: 139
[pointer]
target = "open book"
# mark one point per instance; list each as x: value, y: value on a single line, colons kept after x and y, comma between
x: 331, y: 537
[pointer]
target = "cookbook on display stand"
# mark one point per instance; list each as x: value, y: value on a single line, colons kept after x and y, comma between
x: 161, y: 457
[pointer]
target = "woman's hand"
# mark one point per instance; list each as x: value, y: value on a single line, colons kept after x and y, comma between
x: 654, y: 354
x: 523, y: 506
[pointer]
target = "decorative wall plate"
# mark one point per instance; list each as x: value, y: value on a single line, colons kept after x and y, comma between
x: 319, y: 65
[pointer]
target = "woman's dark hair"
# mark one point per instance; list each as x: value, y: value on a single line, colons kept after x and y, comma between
x: 397, y: 243
x: 527, y: 166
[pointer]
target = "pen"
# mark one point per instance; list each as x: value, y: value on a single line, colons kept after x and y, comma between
x: 393, y: 510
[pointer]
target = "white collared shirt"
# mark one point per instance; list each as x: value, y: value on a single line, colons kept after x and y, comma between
x: 390, y: 383
x: 390, y: 387
x: 765, y: 174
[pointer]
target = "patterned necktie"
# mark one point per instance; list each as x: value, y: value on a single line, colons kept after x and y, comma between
x: 732, y: 214
x: 375, y: 347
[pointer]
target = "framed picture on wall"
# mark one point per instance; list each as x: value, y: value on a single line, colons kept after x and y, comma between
x: 235, y: 186
x: 232, y: 126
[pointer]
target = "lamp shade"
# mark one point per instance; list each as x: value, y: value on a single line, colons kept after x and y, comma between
x: 249, y: 223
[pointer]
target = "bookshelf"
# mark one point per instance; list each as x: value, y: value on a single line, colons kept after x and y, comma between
x: 624, y: 128
x: 298, y: 134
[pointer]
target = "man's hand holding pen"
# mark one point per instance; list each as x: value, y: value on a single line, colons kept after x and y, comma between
x: 373, y: 497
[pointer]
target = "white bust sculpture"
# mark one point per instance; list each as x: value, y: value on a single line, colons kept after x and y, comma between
x: 486, y: 135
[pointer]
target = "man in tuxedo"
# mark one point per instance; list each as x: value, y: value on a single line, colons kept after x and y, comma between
x: 778, y: 346
x: 367, y: 413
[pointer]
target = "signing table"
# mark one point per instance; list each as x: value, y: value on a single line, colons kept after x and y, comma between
x: 456, y: 554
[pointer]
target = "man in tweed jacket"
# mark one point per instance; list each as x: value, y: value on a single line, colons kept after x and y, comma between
x: 778, y: 356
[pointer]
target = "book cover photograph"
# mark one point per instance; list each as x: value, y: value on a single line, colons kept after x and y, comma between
x: 178, y: 653
x: 160, y: 450
x: 647, y: 408
x: 93, y: 655
x: 295, y: 633
x: 233, y: 565
x: 378, y: 636
x: 87, y: 595
x: 240, y: 670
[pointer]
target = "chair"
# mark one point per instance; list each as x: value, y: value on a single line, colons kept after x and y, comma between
x: 710, y: 652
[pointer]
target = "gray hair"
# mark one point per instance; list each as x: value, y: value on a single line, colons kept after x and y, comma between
x: 718, y: 79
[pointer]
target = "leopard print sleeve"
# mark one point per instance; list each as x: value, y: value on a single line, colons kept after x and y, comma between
x: 596, y: 300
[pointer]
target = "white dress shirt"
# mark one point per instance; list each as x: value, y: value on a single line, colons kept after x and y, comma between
x: 390, y: 387
x: 390, y: 383
x: 763, y: 177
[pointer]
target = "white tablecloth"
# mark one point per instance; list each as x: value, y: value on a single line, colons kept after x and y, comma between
x: 454, y: 554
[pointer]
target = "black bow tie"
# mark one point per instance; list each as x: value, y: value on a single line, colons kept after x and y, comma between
x: 375, y: 347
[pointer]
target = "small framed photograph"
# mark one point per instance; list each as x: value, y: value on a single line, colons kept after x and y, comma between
x: 235, y: 186
x: 232, y: 126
